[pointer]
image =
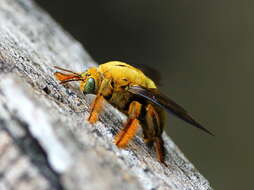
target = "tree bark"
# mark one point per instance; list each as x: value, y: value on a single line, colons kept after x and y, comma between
x: 45, y: 140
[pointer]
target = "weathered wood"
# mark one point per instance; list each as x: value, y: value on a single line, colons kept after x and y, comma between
x: 45, y: 140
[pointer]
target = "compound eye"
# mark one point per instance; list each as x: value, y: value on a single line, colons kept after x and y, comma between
x: 89, y: 87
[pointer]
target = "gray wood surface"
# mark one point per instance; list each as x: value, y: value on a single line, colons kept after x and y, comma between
x: 45, y: 140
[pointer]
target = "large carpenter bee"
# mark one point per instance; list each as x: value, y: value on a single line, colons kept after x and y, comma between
x: 135, y: 94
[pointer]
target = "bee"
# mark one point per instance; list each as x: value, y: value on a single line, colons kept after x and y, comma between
x: 132, y: 92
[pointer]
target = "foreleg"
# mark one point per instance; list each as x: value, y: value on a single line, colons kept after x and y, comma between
x: 96, y: 108
x: 97, y: 105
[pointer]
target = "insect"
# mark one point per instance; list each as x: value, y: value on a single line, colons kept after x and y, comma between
x: 135, y: 94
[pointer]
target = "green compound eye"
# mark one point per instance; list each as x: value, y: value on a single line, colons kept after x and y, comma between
x: 89, y: 87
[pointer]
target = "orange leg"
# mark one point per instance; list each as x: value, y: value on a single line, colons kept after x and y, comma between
x: 152, y: 123
x: 159, y: 147
x: 153, y: 131
x: 97, y: 105
x: 96, y: 108
x: 130, y: 129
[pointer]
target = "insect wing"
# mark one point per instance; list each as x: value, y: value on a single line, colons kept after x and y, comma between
x: 161, y: 100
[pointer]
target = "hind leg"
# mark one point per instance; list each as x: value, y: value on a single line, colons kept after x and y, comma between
x: 153, y: 130
x: 130, y: 129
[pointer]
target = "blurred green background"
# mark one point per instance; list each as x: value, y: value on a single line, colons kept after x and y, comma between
x: 204, y: 51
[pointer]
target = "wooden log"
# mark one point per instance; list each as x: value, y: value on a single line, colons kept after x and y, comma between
x: 45, y: 140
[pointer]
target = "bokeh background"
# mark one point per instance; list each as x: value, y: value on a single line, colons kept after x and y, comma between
x: 204, y: 52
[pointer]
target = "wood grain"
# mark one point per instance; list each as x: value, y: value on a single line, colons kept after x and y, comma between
x: 45, y: 140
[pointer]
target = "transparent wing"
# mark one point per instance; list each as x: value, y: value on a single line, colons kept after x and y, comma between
x: 161, y: 100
